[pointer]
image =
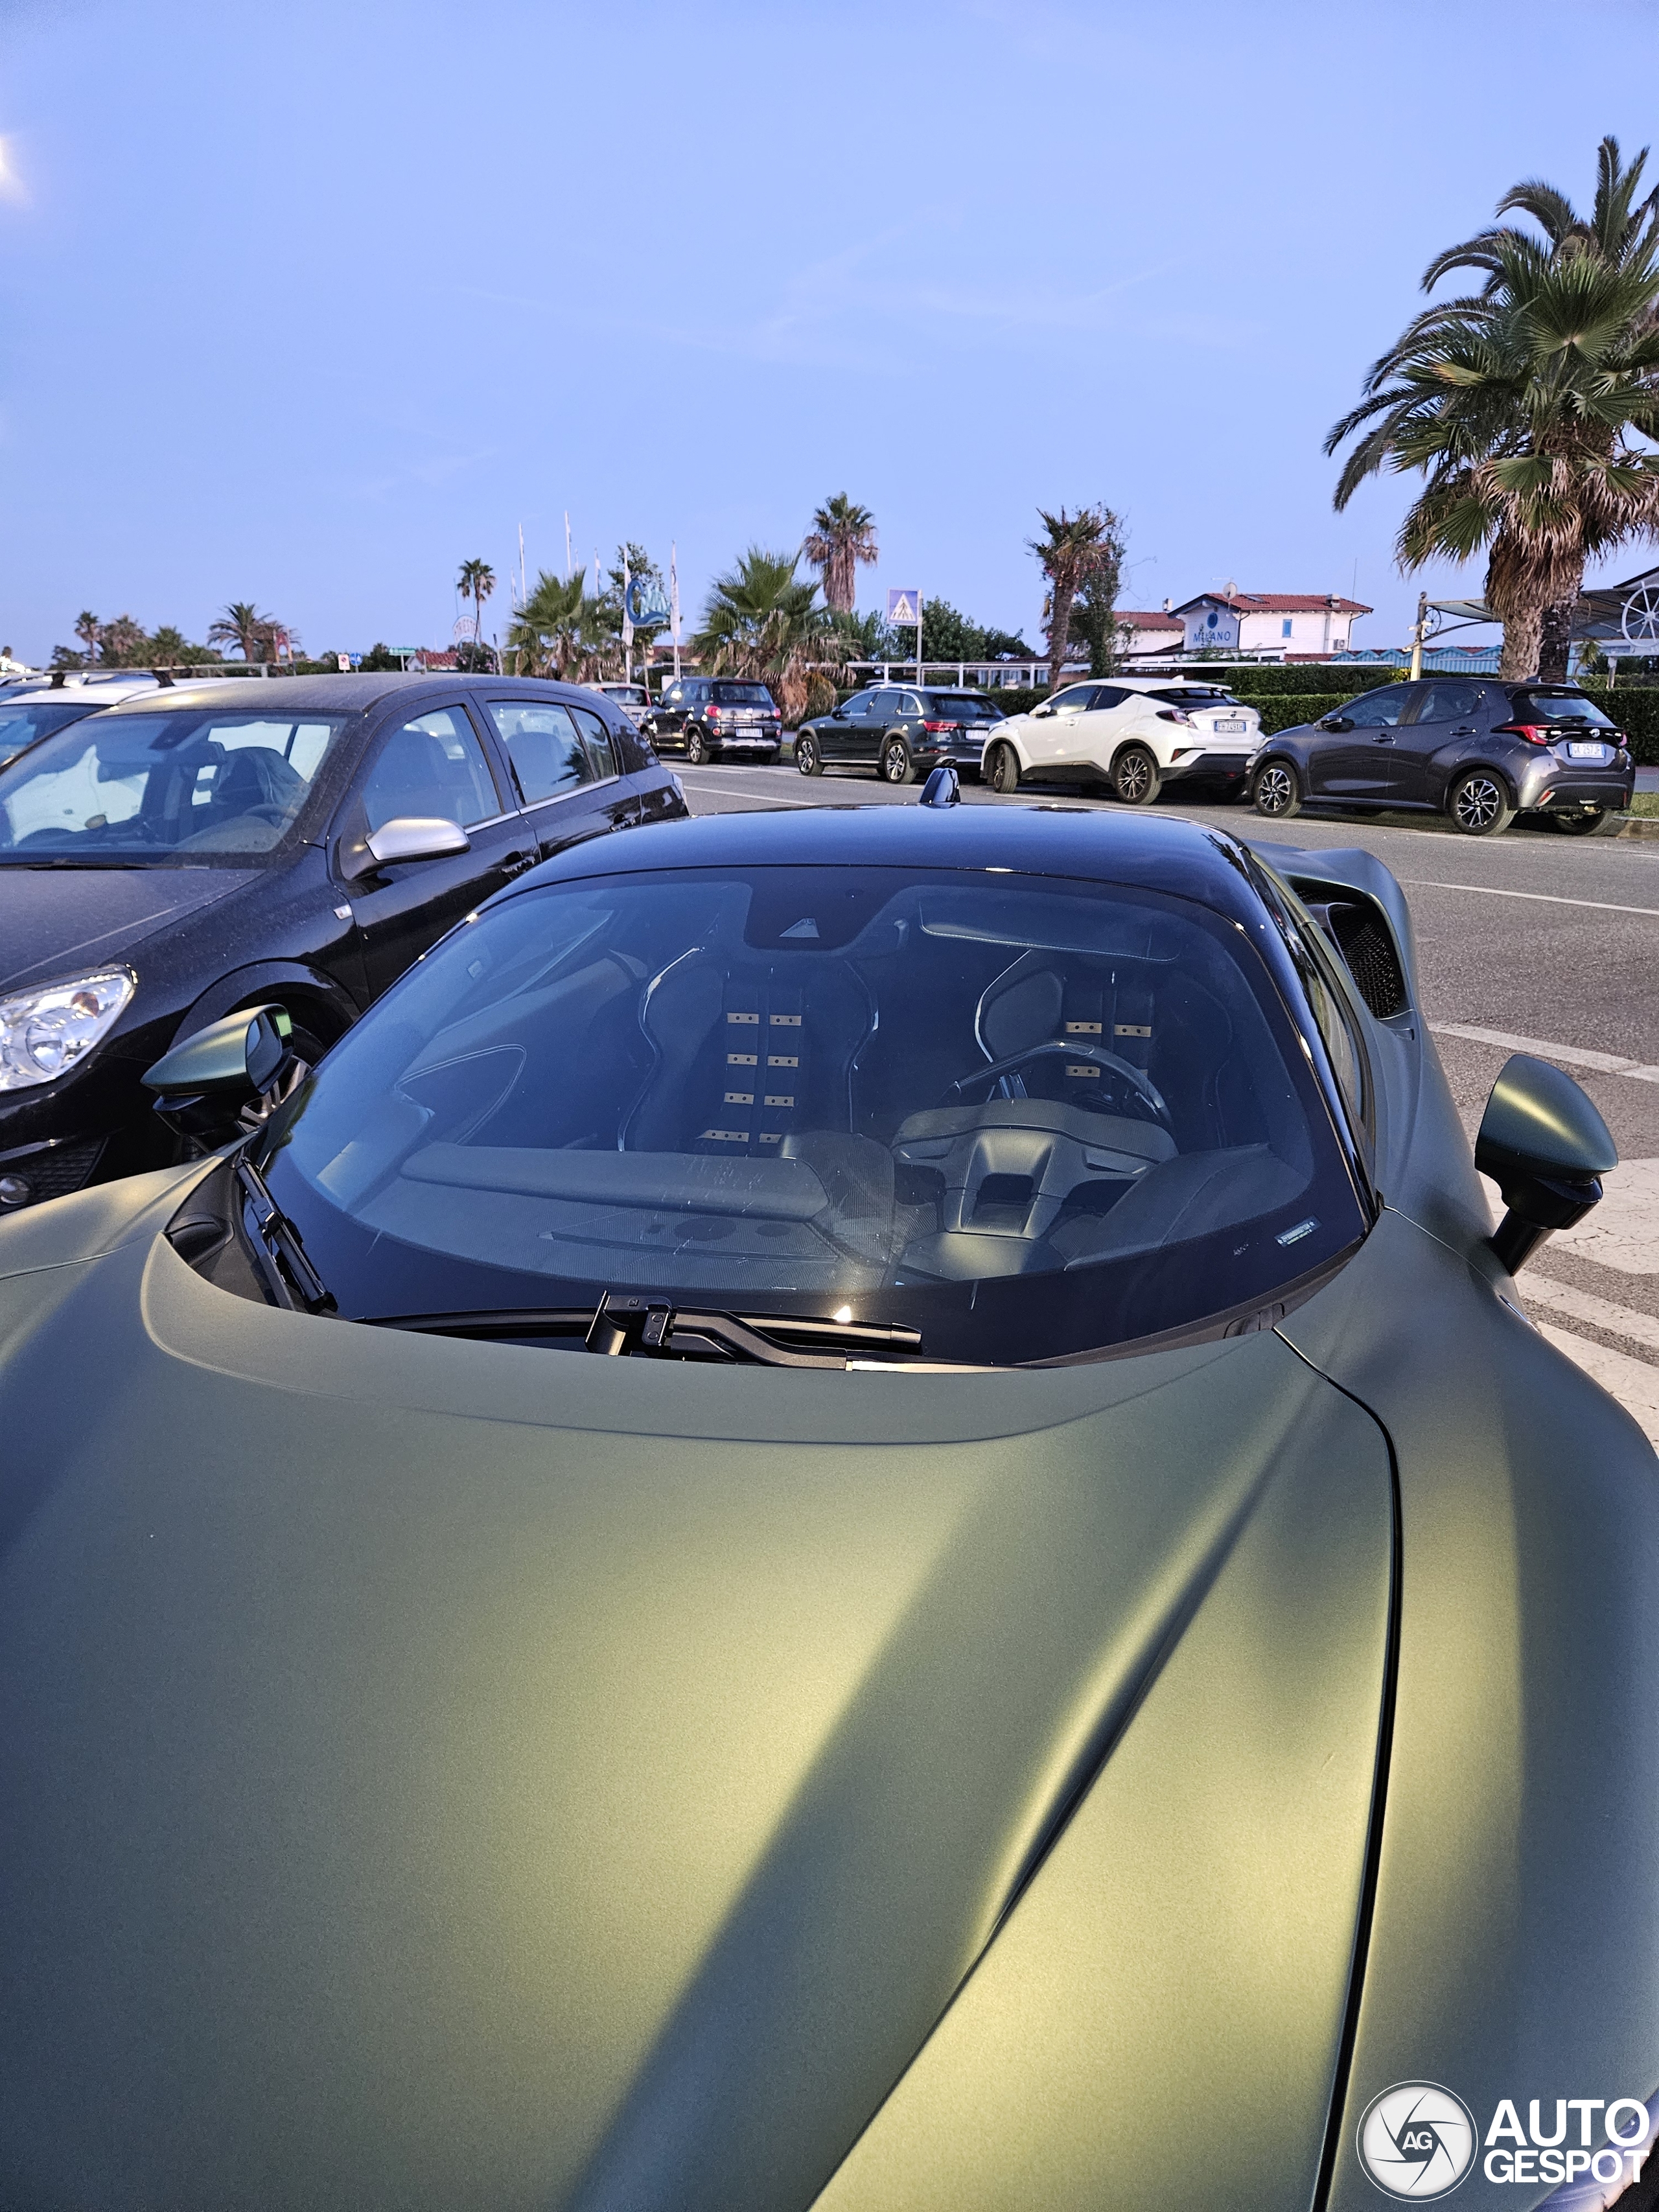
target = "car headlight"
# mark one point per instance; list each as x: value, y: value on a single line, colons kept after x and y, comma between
x: 46, y: 1033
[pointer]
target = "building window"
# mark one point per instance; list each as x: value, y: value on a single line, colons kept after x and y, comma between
x: 1286, y: 631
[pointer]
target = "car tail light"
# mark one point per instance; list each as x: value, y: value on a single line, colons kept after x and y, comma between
x: 714, y: 713
x: 937, y: 727
x: 1535, y: 733
x: 1175, y: 714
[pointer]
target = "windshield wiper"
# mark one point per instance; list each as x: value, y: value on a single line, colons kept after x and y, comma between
x: 649, y: 1328
x: 294, y: 1277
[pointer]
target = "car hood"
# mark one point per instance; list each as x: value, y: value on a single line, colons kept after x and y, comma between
x: 54, y: 920
x: 444, y: 1774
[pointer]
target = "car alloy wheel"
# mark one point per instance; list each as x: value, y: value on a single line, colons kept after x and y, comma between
x: 896, y: 766
x: 697, y: 748
x: 808, y: 759
x: 1004, y: 769
x: 1478, y: 803
x: 1134, y: 776
x: 1275, y: 793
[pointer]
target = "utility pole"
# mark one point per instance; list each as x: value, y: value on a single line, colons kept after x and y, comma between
x: 1417, y: 635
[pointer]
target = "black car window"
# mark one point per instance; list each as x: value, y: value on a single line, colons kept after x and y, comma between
x: 908, y: 707
x: 196, y: 787
x: 800, y: 1089
x: 1381, y: 708
x: 1077, y: 701
x: 543, y: 745
x: 1449, y: 703
x: 1552, y: 705
x: 433, y: 768
x: 857, y: 709
x: 962, y: 707
x: 1105, y: 696
x: 601, y: 752
x: 742, y: 695
x: 1195, y: 694
x: 674, y: 694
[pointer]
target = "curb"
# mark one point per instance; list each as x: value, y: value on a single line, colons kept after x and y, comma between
x: 1638, y: 825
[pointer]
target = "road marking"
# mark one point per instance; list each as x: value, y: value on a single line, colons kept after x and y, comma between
x: 1604, y: 1063
x: 772, y: 800
x: 1583, y: 1306
x: 1632, y: 1382
x: 1543, y: 898
x: 1623, y: 1232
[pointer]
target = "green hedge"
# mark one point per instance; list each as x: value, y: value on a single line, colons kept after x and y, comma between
x: 1636, y: 714
x: 1297, y: 677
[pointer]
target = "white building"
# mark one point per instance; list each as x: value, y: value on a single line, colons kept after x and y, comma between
x: 1143, y: 632
x: 1276, y: 625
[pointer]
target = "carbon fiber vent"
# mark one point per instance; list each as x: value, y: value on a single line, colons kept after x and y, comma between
x: 1364, y: 943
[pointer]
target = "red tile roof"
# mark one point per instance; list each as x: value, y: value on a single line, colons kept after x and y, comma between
x: 1276, y: 603
x: 1153, y: 619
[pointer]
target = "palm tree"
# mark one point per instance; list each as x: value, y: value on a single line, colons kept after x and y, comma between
x: 842, y: 535
x: 1073, y: 546
x: 242, y: 625
x: 476, y: 582
x: 89, y: 629
x: 763, y: 623
x: 1521, y: 406
x: 557, y: 623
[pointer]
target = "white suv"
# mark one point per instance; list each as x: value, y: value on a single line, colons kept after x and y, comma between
x: 1134, y: 732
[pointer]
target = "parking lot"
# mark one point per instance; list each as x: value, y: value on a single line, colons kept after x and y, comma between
x: 1528, y: 942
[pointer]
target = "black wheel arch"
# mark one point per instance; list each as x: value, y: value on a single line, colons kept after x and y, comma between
x: 326, y: 1007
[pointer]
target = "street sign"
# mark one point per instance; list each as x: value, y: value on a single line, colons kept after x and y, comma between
x: 647, y: 603
x: 904, y: 606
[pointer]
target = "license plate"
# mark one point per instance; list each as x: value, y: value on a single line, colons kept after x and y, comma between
x: 1587, y: 752
x: 1231, y: 728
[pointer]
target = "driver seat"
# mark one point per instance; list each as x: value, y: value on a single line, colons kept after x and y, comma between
x: 1038, y: 1001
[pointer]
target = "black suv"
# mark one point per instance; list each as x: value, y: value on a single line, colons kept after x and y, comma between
x: 712, y: 717
x: 200, y: 849
x: 899, y: 731
x: 1477, y: 750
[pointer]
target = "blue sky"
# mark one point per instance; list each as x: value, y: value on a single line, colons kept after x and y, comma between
x: 307, y: 305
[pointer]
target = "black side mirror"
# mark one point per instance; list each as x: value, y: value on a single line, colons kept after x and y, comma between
x: 838, y: 713
x: 1336, y: 724
x: 1546, y: 1148
x: 204, y: 1084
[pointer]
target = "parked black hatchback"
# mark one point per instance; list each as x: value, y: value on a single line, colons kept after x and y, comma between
x: 899, y: 730
x: 172, y: 859
x: 707, y: 717
x: 1479, y: 751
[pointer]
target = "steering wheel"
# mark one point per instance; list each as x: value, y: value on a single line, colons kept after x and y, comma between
x: 1138, y: 1080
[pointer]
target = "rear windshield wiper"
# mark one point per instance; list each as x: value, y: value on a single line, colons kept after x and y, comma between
x: 282, y: 1247
x: 642, y: 1326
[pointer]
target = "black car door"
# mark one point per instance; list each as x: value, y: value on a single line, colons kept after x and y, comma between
x: 884, y: 713
x: 1355, y: 763
x: 667, y: 718
x: 845, y: 736
x: 1442, y: 717
x: 432, y: 767
x: 565, y: 768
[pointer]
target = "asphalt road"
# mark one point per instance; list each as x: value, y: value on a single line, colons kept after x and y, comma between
x: 1543, y: 943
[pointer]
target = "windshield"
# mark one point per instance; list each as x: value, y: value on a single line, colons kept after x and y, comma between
x: 1559, y: 707
x: 740, y: 695
x: 190, y: 787
x: 962, y: 707
x: 29, y: 718
x: 1027, y: 1117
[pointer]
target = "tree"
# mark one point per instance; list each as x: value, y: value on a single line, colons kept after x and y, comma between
x: 1068, y: 552
x: 252, y: 634
x: 763, y: 623
x: 476, y: 582
x: 842, y: 535
x: 122, y: 643
x: 1522, y: 405
x: 1094, y: 611
x: 88, y: 630
x: 558, y: 625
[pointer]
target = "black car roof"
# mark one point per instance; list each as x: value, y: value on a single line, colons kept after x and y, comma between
x: 343, y: 695
x: 1159, y: 854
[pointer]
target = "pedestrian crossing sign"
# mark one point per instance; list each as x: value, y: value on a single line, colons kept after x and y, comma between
x: 902, y: 606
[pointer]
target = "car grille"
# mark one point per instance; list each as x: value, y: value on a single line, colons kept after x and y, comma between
x: 52, y: 1173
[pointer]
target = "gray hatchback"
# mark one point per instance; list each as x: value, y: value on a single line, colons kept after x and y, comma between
x: 1480, y: 751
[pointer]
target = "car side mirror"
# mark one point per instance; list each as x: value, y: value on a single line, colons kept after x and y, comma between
x: 838, y: 713
x: 1546, y: 1148
x: 204, y: 1082
x: 1336, y: 724
x: 406, y: 837
x: 1038, y: 712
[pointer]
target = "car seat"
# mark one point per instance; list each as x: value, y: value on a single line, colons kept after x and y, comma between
x: 256, y: 776
x: 1105, y: 1003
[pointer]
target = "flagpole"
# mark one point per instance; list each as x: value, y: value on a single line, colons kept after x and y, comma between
x: 918, y: 640
x: 674, y: 598
x: 567, y: 546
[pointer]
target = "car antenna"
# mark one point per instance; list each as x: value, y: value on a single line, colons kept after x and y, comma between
x: 942, y: 789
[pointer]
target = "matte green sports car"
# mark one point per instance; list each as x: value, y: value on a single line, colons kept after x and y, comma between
x: 853, y: 1512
